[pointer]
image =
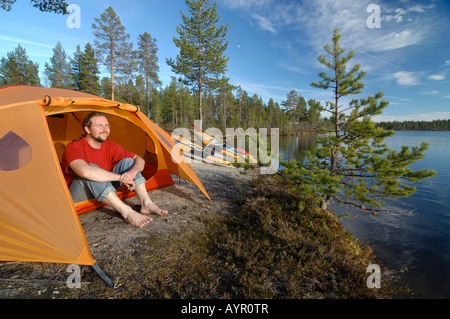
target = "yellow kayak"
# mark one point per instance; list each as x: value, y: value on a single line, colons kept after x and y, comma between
x: 225, y: 149
x: 190, y: 152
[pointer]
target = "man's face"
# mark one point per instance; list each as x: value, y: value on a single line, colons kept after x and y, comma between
x: 99, y: 129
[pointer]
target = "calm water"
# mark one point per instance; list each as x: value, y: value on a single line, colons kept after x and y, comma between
x: 416, y: 248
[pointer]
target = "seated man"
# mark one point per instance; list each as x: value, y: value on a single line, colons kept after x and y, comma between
x: 100, y: 166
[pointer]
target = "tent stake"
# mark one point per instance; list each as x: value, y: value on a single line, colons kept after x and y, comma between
x: 105, y: 277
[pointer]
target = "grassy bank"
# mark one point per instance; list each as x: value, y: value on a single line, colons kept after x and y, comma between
x: 278, y: 244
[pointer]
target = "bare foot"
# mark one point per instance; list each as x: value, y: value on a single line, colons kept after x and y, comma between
x: 151, y: 208
x: 136, y: 219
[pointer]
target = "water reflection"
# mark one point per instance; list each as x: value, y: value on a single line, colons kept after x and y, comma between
x: 296, y: 146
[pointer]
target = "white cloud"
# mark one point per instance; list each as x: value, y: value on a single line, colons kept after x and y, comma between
x: 276, y: 90
x: 23, y: 41
x: 406, y: 78
x: 433, y: 92
x: 310, y: 25
x: 396, y: 40
x: 436, y: 77
x: 401, y: 99
x: 315, y: 20
x: 446, y: 63
x: 292, y: 68
x: 264, y: 23
x: 247, y: 4
x: 398, y: 13
x: 263, y: 90
x: 397, y: 17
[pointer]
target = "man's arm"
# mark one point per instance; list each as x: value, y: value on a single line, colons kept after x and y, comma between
x: 93, y: 173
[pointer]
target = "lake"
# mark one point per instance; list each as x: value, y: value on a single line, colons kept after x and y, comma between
x: 416, y: 248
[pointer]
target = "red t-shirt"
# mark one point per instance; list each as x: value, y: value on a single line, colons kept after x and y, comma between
x: 105, y: 157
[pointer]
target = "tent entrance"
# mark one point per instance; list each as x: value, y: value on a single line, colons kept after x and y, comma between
x: 66, y: 127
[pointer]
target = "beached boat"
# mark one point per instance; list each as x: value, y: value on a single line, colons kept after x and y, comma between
x: 194, y: 151
x: 220, y: 146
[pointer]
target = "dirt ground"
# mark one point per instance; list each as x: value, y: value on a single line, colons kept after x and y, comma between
x: 111, y: 239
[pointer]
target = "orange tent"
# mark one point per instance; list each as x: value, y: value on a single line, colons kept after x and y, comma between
x: 38, y: 220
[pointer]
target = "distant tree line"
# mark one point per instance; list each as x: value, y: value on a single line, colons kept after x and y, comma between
x: 435, y: 125
x: 173, y: 105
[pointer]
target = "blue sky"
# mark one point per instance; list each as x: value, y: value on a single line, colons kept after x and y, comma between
x: 274, y: 44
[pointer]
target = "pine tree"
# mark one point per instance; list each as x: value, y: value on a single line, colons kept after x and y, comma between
x: 140, y: 95
x: 225, y: 90
x: 111, y: 44
x: 301, y: 110
x: 18, y: 69
x: 85, y: 70
x: 75, y: 67
x: 271, y: 113
x: 55, y: 6
x: 290, y: 105
x: 202, y: 45
x: 155, y: 106
x: 187, y: 106
x: 88, y: 71
x: 105, y: 84
x: 127, y: 69
x: 352, y: 165
x: 314, y: 108
x: 170, y: 104
x: 148, y: 63
x: 238, y: 114
x: 127, y: 92
x: 58, y: 72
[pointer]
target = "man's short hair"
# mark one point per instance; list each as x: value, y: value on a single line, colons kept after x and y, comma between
x: 88, y: 119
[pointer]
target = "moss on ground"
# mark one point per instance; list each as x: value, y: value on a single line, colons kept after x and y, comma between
x: 279, y: 244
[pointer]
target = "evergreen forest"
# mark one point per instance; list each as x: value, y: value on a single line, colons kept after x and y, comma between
x: 117, y: 68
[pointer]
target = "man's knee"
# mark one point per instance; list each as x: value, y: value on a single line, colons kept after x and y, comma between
x: 127, y: 161
x: 124, y: 165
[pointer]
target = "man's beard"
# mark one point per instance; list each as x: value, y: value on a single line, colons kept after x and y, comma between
x: 100, y: 138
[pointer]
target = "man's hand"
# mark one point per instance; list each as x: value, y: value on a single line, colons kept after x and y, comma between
x: 127, y: 178
x: 130, y: 185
